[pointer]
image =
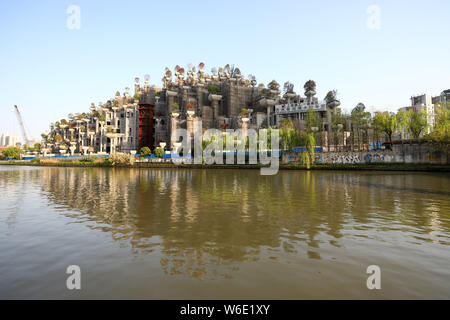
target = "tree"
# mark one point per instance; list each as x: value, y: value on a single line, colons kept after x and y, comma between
x: 386, y: 122
x: 12, y: 152
x: 417, y: 123
x: 145, y: 151
x: 337, y: 125
x: 289, y: 137
x: 159, y: 152
x: 439, y: 138
x: 402, y: 122
x: 360, y: 121
x: 309, y: 142
x: 311, y: 120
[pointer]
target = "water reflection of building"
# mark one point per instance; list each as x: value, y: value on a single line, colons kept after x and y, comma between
x: 204, y: 221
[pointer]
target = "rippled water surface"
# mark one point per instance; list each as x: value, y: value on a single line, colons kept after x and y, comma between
x: 207, y: 234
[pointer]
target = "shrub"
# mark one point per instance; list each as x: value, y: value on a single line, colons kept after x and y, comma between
x: 12, y: 152
x: 213, y: 89
x: 159, y: 152
x: 244, y: 113
x: 145, y: 151
x: 121, y: 159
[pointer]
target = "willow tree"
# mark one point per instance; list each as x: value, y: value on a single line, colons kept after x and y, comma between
x: 309, y: 143
x: 311, y: 120
x: 360, y: 121
x: 439, y: 138
x: 386, y: 122
x: 289, y: 137
x: 417, y: 123
x: 337, y: 125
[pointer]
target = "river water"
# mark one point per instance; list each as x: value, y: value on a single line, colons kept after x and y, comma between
x: 223, y: 234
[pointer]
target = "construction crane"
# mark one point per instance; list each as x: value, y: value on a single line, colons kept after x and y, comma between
x: 22, y: 127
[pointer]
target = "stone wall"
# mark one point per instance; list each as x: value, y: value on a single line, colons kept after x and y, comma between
x: 406, y: 153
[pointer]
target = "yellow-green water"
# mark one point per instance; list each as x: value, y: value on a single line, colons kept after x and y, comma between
x: 228, y: 234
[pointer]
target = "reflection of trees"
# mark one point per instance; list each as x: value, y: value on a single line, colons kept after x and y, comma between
x: 14, y: 182
x: 203, y: 221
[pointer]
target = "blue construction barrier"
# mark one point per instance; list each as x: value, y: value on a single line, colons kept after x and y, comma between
x: 302, y: 149
x: 375, y: 145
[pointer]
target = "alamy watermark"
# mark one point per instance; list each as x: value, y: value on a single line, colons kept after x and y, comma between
x: 73, y: 282
x: 73, y: 21
x: 374, y: 280
x: 374, y: 17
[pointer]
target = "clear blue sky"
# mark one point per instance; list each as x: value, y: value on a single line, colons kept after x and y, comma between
x: 49, y: 70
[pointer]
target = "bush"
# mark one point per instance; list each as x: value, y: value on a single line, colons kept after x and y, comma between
x: 88, y: 160
x: 213, y: 89
x: 244, y: 113
x: 159, y: 152
x: 145, y: 151
x: 12, y: 152
x: 121, y: 159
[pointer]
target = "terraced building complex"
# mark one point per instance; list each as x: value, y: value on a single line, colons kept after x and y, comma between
x: 222, y: 99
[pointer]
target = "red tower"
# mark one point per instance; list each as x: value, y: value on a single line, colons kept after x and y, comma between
x: 146, y: 138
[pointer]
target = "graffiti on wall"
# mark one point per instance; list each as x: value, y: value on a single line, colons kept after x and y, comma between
x: 374, y: 158
x: 345, y: 159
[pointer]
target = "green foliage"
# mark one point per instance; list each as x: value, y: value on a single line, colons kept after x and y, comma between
x: 309, y: 143
x: 213, y: 89
x: 361, y: 120
x: 311, y: 120
x: 159, y: 152
x: 206, y: 143
x: 439, y: 138
x: 137, y: 96
x: 145, y: 151
x: 13, y: 152
x: 175, y: 107
x: 244, y: 113
x: 287, y: 123
x: 88, y: 160
x: 387, y: 122
x: 289, y: 137
x: 417, y: 123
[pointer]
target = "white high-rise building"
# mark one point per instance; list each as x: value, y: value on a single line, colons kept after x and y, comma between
x: 7, y: 140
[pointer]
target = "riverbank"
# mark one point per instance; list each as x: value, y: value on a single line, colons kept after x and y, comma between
x: 166, y: 165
